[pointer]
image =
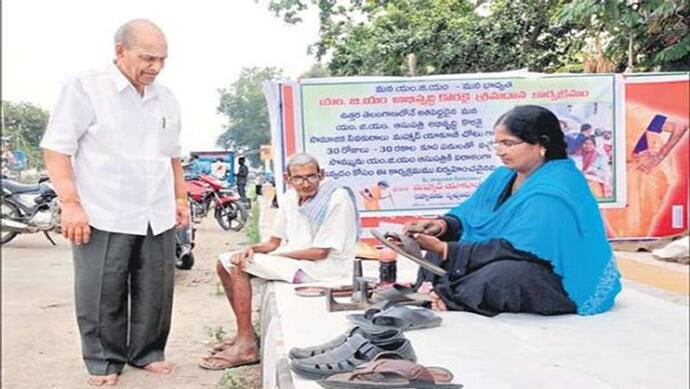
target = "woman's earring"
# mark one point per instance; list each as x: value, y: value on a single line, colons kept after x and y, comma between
x: 542, y: 152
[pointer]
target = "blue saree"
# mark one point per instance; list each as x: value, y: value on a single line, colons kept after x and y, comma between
x: 554, y: 217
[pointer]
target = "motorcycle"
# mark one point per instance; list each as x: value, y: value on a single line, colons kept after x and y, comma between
x: 185, y: 241
x: 207, y: 193
x: 35, y: 208
x: 27, y: 209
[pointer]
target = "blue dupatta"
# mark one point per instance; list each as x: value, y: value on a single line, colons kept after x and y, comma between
x: 555, y: 217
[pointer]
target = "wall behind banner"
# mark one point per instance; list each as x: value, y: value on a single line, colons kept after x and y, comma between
x: 657, y: 201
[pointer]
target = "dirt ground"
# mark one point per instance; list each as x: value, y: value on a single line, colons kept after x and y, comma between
x: 40, y: 340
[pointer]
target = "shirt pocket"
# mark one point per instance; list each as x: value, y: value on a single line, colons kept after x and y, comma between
x: 165, y: 129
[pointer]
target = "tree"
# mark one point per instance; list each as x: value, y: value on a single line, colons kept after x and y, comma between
x: 24, y: 124
x: 245, y: 107
x: 445, y: 36
x: 439, y: 34
x: 374, y: 37
x: 636, y: 34
x: 316, y: 71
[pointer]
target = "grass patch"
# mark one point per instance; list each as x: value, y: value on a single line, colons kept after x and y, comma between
x: 232, y: 379
x: 216, y: 334
x: 252, y: 227
x: 219, y: 290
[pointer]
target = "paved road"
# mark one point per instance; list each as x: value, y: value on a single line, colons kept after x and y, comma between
x: 40, y: 341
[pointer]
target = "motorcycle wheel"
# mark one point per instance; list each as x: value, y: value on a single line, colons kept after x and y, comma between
x: 8, y: 210
x: 231, y: 216
x: 185, y: 262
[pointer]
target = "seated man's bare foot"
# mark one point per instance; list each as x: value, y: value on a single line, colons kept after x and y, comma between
x: 233, y: 356
x: 100, y: 380
x: 222, y: 345
x: 160, y: 367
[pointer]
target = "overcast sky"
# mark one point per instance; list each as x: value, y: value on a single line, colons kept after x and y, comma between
x: 209, y: 42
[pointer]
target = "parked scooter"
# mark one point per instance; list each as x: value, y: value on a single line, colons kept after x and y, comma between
x: 27, y: 209
x: 205, y: 193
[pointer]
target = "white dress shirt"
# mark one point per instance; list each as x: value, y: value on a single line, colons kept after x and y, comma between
x: 121, y: 145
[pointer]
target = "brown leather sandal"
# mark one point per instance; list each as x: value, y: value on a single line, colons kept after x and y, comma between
x: 384, y: 372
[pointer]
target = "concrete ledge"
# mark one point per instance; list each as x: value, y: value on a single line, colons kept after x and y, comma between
x: 274, y: 362
x: 641, y: 343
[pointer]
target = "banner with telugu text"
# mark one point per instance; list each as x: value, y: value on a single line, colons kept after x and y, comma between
x: 419, y: 146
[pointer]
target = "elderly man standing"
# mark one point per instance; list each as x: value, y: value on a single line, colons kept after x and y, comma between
x: 313, y: 239
x: 112, y: 151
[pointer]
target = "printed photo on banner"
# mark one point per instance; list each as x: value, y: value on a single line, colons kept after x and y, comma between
x: 588, y: 133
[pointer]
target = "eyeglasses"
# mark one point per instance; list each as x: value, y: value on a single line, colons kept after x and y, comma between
x: 299, y: 180
x: 497, y: 144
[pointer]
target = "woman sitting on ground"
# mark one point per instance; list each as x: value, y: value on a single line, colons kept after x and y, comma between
x: 530, y: 239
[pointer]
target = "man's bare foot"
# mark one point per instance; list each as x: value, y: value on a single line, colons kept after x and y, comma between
x: 222, y: 345
x: 160, y: 367
x: 239, y: 354
x: 226, y: 344
x: 100, y: 380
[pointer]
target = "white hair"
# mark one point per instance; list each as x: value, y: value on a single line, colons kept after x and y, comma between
x: 126, y: 33
x: 301, y: 159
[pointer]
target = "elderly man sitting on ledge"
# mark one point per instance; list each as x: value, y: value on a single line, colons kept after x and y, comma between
x: 313, y: 238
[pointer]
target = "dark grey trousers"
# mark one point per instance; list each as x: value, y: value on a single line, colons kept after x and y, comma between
x: 124, y: 295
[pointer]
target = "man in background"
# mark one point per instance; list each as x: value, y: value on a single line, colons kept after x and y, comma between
x: 241, y: 176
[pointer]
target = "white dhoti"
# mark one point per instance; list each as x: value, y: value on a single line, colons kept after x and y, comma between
x: 337, y: 232
x: 272, y: 267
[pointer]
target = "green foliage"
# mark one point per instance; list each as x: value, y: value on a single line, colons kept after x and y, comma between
x: 219, y: 290
x: 676, y: 52
x: 252, y: 227
x: 374, y: 37
x: 446, y: 36
x: 244, y: 105
x: 316, y: 71
x: 24, y: 124
x: 234, y: 379
x: 288, y: 9
x: 216, y: 334
x: 658, y: 30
